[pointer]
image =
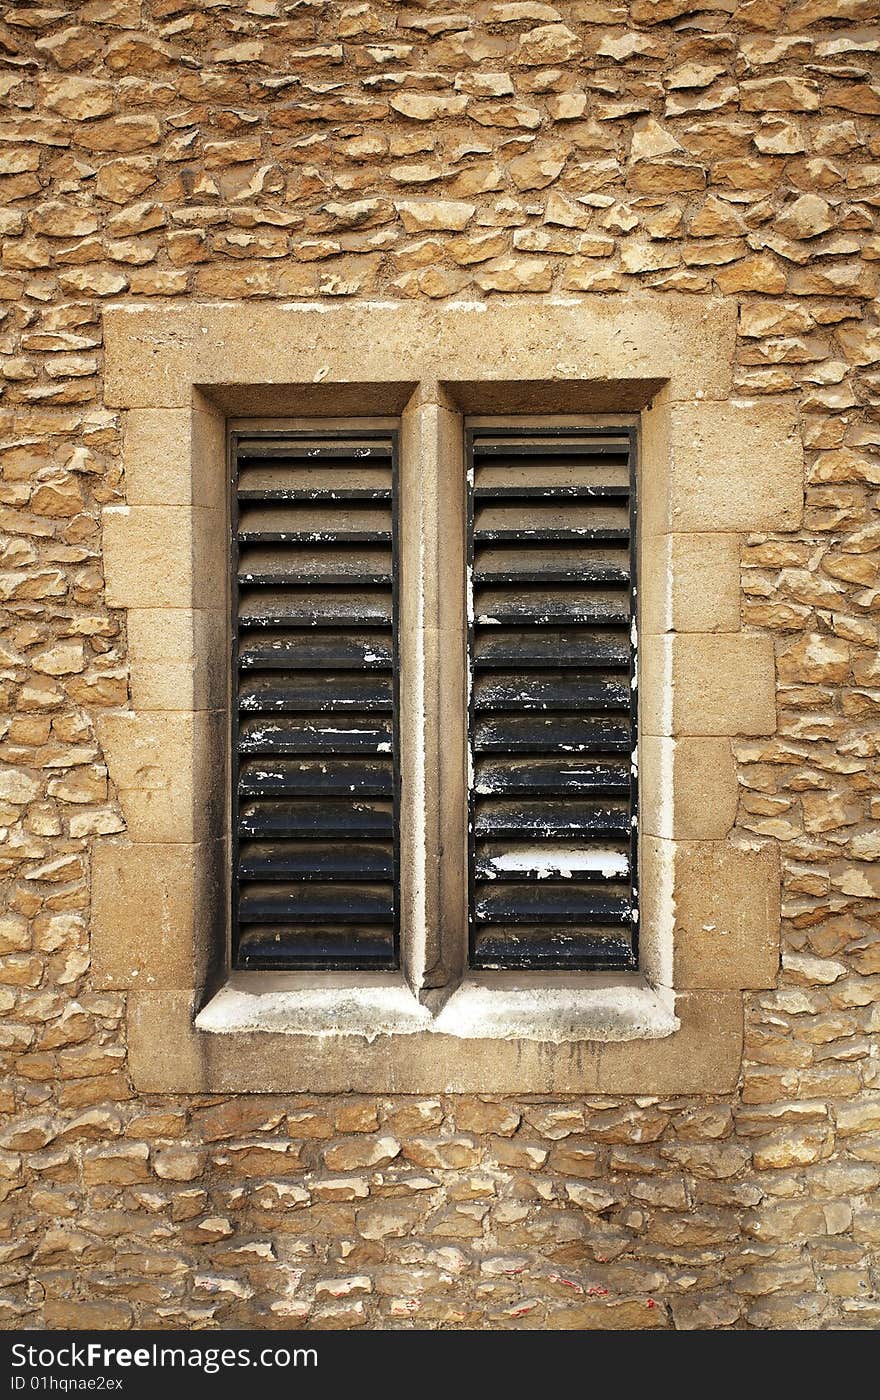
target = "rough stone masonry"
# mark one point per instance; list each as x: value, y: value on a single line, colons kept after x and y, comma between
x: 212, y: 149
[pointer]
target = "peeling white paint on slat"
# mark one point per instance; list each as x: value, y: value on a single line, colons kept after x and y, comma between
x: 565, y: 862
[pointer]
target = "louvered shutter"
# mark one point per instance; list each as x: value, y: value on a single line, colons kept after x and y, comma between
x: 314, y: 714
x: 552, y: 706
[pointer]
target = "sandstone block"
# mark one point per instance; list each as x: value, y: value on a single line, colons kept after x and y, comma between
x: 168, y: 1055
x: 539, y: 167
x: 690, y: 583
x: 428, y: 106
x: 121, y: 134
x: 174, y: 457
x: 123, y: 1164
x: 164, y: 767
x: 158, y: 913
x: 546, y: 44
x: 177, y: 658
x: 815, y: 659
x: 80, y: 99
x: 689, y: 788
x: 727, y: 914
x: 164, y: 556
x: 154, y: 357
x: 361, y: 1152
x: 703, y: 685
x: 736, y: 466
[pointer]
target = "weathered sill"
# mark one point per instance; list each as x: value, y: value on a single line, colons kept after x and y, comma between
x: 492, y: 1006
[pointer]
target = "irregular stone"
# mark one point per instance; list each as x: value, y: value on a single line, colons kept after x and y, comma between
x: 427, y: 215
x: 539, y: 167
x: 361, y: 1152
x: 808, y: 216
x: 546, y: 44
x: 516, y: 275
x: 80, y: 99
x: 428, y: 106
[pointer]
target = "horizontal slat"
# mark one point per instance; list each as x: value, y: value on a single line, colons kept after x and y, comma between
x: 336, y: 650
x: 305, y: 902
x: 546, y: 860
x: 339, y: 734
x: 320, y: 567
x: 308, y: 523
x: 280, y: 607
x: 286, y: 482
x: 543, y: 692
x: 552, y: 734
x: 547, y: 647
x: 550, y: 606
x: 301, y: 777
x: 315, y: 860
x: 329, y: 818
x: 349, y: 451
x: 551, y: 948
x: 551, y: 519
x: 558, y: 903
x: 315, y: 946
x: 515, y: 531
x: 326, y: 691
x: 550, y: 775
x: 551, y: 818
x: 511, y: 448
x: 530, y: 563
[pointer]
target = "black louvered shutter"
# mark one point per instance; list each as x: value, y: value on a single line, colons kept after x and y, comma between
x: 315, y: 700
x: 552, y: 698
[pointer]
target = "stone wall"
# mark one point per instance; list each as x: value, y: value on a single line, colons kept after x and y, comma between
x: 176, y: 149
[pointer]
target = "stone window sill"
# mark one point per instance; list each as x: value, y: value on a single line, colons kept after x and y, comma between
x: 500, y: 1006
x: 499, y: 1034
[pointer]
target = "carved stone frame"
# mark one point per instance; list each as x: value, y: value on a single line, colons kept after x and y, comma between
x: 711, y: 469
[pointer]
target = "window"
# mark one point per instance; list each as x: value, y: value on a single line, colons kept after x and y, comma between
x: 712, y: 468
x: 549, y: 688
x: 552, y: 698
x: 314, y: 700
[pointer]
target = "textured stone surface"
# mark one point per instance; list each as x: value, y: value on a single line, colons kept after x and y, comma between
x: 159, y: 151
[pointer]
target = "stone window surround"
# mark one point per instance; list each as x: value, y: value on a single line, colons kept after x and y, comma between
x: 712, y: 468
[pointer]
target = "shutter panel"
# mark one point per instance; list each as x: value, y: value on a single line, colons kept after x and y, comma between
x: 315, y: 701
x: 552, y: 706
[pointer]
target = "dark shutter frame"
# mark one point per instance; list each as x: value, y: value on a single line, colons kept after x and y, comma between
x: 552, y: 706
x: 315, y: 785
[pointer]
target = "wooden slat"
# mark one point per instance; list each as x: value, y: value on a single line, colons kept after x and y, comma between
x: 265, y: 524
x: 315, y: 860
x: 550, y: 647
x: 550, y: 607
x: 564, y: 903
x: 294, y: 608
x: 313, y: 947
x: 302, y: 777
x: 327, y: 691
x: 278, y: 734
x: 327, y: 818
x: 562, y: 733
x: 551, y: 948
x: 266, y: 649
x: 562, y: 775
x: 540, y: 691
x: 562, y: 817
x: 322, y: 566
x: 314, y: 903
